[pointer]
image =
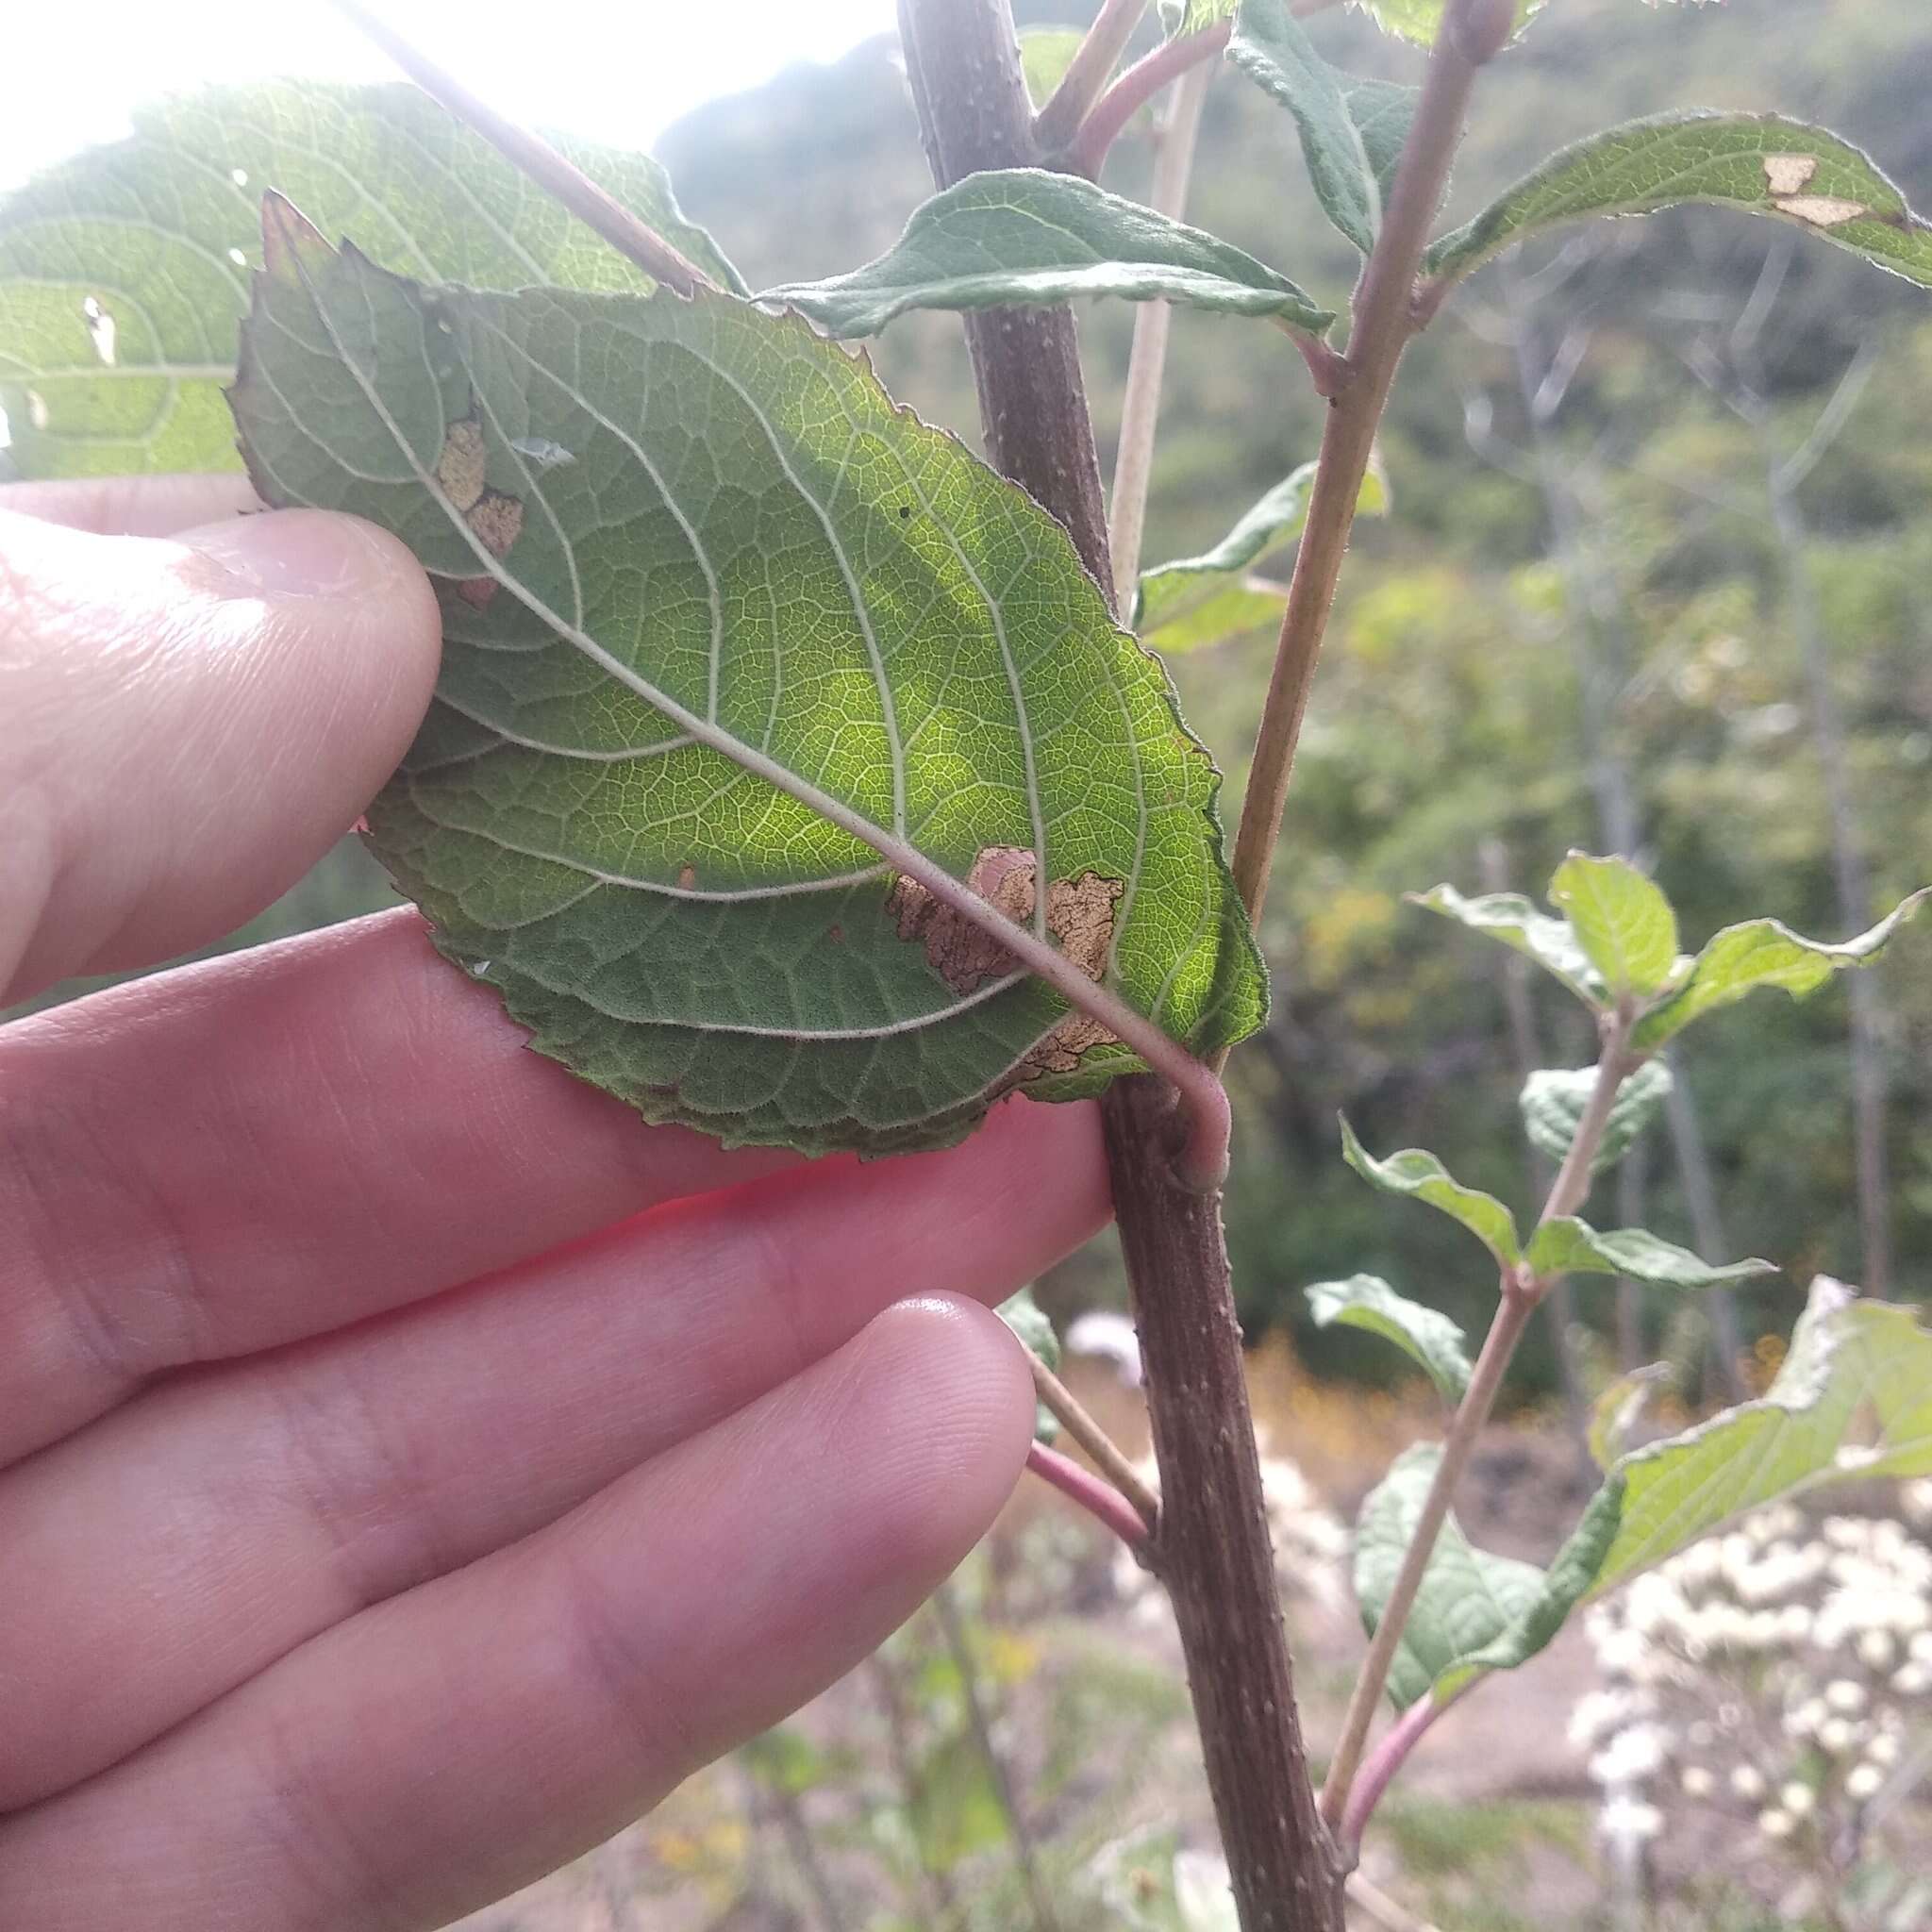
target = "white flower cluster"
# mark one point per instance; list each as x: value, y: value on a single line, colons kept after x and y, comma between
x: 1311, y: 1542
x: 1777, y: 1675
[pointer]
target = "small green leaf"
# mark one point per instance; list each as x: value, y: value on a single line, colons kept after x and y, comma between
x: 1569, y: 1246
x: 1350, y: 178
x: 1021, y: 237
x: 1418, y: 1173
x: 1761, y: 951
x: 1622, y: 921
x: 158, y: 231
x: 1426, y: 1335
x: 1475, y: 1612
x: 1182, y: 17
x: 1554, y: 1098
x: 752, y: 623
x: 1032, y: 1324
x: 1045, y: 53
x: 1853, y: 1400
x: 1204, y: 600
x: 1511, y: 918
x: 1419, y: 20
x: 1761, y: 163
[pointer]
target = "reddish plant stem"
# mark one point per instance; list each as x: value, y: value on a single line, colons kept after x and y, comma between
x: 1094, y: 61
x: 1108, y: 1456
x: 1212, y: 1548
x: 1385, y: 1760
x: 608, y: 217
x: 1100, y: 1500
x: 1088, y: 149
x: 1380, y: 333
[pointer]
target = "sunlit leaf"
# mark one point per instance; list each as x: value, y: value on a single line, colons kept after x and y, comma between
x: 158, y: 232
x: 1045, y: 53
x: 1415, y: 1172
x: 1180, y: 17
x: 1569, y: 1246
x: 719, y: 617
x: 1763, y: 164
x: 1622, y: 921
x: 1021, y: 238
x: 1426, y: 1335
x: 1762, y: 953
x: 1511, y: 918
x: 1419, y: 20
x: 1554, y: 1099
x: 1351, y: 131
x: 1204, y: 600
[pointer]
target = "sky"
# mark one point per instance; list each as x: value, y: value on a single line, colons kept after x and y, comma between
x: 618, y: 71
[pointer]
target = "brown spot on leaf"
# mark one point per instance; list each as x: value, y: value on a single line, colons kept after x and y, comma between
x: 687, y: 878
x: 285, y: 233
x: 1789, y: 174
x: 836, y: 933
x: 1079, y: 914
x: 478, y: 592
x: 1821, y: 210
x: 497, y: 520
x: 460, y: 467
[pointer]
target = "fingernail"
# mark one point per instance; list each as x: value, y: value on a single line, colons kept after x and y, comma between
x: 296, y: 552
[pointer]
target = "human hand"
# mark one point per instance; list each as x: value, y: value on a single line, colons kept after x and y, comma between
x: 411, y: 1466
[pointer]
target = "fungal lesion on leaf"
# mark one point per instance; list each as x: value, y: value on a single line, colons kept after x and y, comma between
x: 496, y: 517
x: 1079, y: 915
x: 1788, y: 176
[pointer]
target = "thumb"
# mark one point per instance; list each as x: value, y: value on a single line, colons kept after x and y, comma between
x: 186, y: 724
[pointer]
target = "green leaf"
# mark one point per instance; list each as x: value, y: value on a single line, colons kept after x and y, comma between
x: 1034, y: 1326
x: 1761, y: 951
x: 1021, y: 237
x: 1426, y: 1335
x: 157, y: 231
x: 717, y: 620
x: 1204, y: 600
x: 1511, y: 918
x: 1569, y: 1246
x: 1475, y: 1611
x: 1761, y: 163
x: 1624, y: 923
x: 1853, y: 1400
x: 1416, y: 1172
x: 1554, y: 1098
x: 1045, y: 53
x: 1350, y: 177
x: 1182, y: 17
x: 1418, y: 20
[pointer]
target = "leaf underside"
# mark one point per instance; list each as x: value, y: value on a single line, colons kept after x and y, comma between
x: 1022, y: 238
x: 1426, y: 1335
x: 1554, y: 1099
x: 158, y: 231
x: 1762, y: 164
x: 672, y: 536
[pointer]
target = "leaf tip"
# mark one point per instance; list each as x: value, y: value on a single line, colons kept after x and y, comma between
x: 288, y: 238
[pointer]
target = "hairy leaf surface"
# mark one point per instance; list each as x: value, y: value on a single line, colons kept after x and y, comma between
x: 1622, y: 921
x: 716, y: 616
x: 1761, y: 951
x: 1426, y: 1335
x: 1196, y: 601
x: 1554, y: 1099
x: 157, y: 232
x: 1351, y: 131
x: 1021, y: 237
x: 1511, y: 918
x: 1761, y: 163
x: 1569, y: 1246
x: 1416, y: 1172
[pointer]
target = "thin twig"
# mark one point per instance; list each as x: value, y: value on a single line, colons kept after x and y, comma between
x: 953, y: 1629
x: 1381, y: 332
x: 630, y: 237
x: 1521, y: 1293
x: 1386, y: 1912
x: 1133, y: 463
x: 1087, y: 151
x: 1108, y: 1458
x: 1100, y: 1500
x: 1094, y: 61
